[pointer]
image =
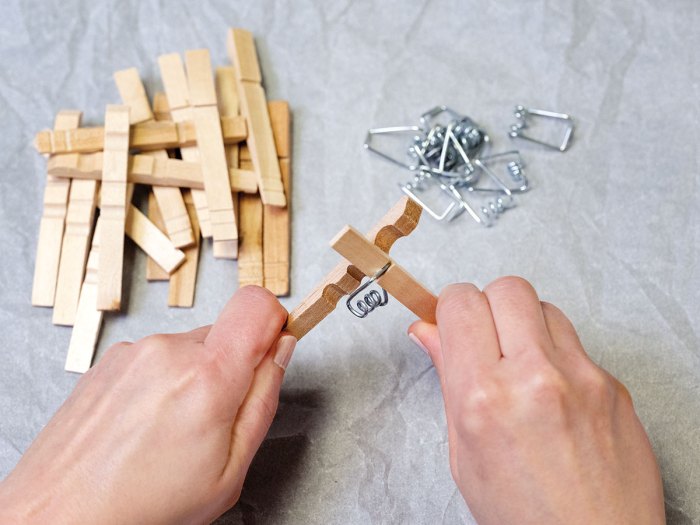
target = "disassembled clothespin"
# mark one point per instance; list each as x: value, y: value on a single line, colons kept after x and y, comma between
x: 345, y: 278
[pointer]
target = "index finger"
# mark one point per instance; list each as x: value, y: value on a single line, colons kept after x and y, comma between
x: 467, y: 332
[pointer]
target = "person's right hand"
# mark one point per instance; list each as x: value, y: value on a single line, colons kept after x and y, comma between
x: 538, y: 432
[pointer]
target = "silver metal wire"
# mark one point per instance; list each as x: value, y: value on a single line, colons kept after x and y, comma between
x: 371, y: 300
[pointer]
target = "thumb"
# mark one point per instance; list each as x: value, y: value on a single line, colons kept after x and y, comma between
x: 426, y: 337
x: 258, y: 408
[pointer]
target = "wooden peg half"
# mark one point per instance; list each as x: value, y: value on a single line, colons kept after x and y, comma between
x: 88, y: 318
x: 48, y: 249
x: 352, y: 245
x: 399, y: 222
x: 146, y: 169
x: 153, y: 271
x: 260, y: 141
x: 276, y: 220
x: 210, y: 143
x: 146, y: 136
x: 113, y: 207
x: 177, y: 92
x: 171, y: 205
x: 184, y: 279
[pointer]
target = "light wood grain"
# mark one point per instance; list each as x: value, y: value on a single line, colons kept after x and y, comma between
x: 133, y: 94
x: 113, y: 207
x: 74, y: 249
x: 280, y: 119
x: 152, y: 241
x: 212, y: 155
x: 48, y: 249
x: 369, y: 259
x: 399, y: 222
x: 260, y: 140
x: 171, y: 205
x: 145, y: 136
x: 145, y: 169
x: 153, y: 271
x: 250, y: 256
x: 184, y: 279
x: 276, y: 220
x: 177, y: 91
x: 88, y: 318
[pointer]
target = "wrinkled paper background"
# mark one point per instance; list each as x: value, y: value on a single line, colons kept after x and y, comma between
x: 610, y: 231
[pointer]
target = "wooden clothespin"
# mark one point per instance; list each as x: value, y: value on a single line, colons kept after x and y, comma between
x: 48, y: 250
x: 260, y: 141
x: 170, y: 202
x: 149, y: 170
x: 399, y: 222
x: 147, y: 136
x: 212, y: 156
x: 113, y: 207
x: 375, y: 263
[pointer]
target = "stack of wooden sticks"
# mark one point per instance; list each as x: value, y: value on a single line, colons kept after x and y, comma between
x: 216, y: 158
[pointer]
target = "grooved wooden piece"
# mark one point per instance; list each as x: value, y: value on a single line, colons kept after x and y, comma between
x: 171, y: 205
x: 276, y: 220
x: 260, y: 140
x: 153, y: 271
x: 74, y: 248
x: 369, y: 259
x: 133, y: 94
x: 399, y: 222
x: 177, y: 92
x: 88, y: 318
x: 113, y: 207
x: 183, y: 280
x: 212, y: 155
x: 250, y: 256
x: 152, y: 241
x: 48, y: 249
x: 145, y: 169
x: 145, y: 136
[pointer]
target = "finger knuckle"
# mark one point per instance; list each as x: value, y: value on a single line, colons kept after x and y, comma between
x: 477, y: 408
x: 547, y: 386
x: 261, y: 300
x: 507, y: 284
x: 156, y: 343
x: 457, y: 299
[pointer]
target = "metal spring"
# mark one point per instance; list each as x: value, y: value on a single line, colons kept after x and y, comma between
x: 494, y: 208
x: 371, y: 300
x: 515, y: 169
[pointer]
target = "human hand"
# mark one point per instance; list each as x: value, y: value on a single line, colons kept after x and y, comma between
x: 162, y: 430
x: 538, y: 433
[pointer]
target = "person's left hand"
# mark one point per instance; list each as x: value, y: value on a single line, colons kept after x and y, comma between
x: 162, y: 430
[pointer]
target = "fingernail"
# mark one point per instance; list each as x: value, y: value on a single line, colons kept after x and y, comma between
x: 418, y: 343
x: 284, y: 349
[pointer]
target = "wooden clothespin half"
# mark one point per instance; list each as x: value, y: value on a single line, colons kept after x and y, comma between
x: 399, y: 222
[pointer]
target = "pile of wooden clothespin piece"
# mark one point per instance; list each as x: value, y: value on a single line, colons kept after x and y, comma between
x: 216, y: 157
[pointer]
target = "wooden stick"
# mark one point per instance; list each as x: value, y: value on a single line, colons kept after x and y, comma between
x: 113, y: 207
x: 250, y: 256
x: 177, y: 92
x: 352, y: 245
x: 133, y: 94
x: 145, y: 169
x: 212, y: 155
x: 145, y: 137
x: 152, y: 241
x: 241, y: 48
x: 74, y: 248
x: 171, y: 205
x: 153, y: 271
x: 276, y: 220
x: 399, y: 222
x: 184, y: 279
x: 48, y: 249
x: 88, y: 318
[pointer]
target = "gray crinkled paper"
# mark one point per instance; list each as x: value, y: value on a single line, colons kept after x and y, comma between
x: 610, y: 231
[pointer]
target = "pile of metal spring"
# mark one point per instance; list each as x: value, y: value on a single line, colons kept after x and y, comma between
x: 448, y: 151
